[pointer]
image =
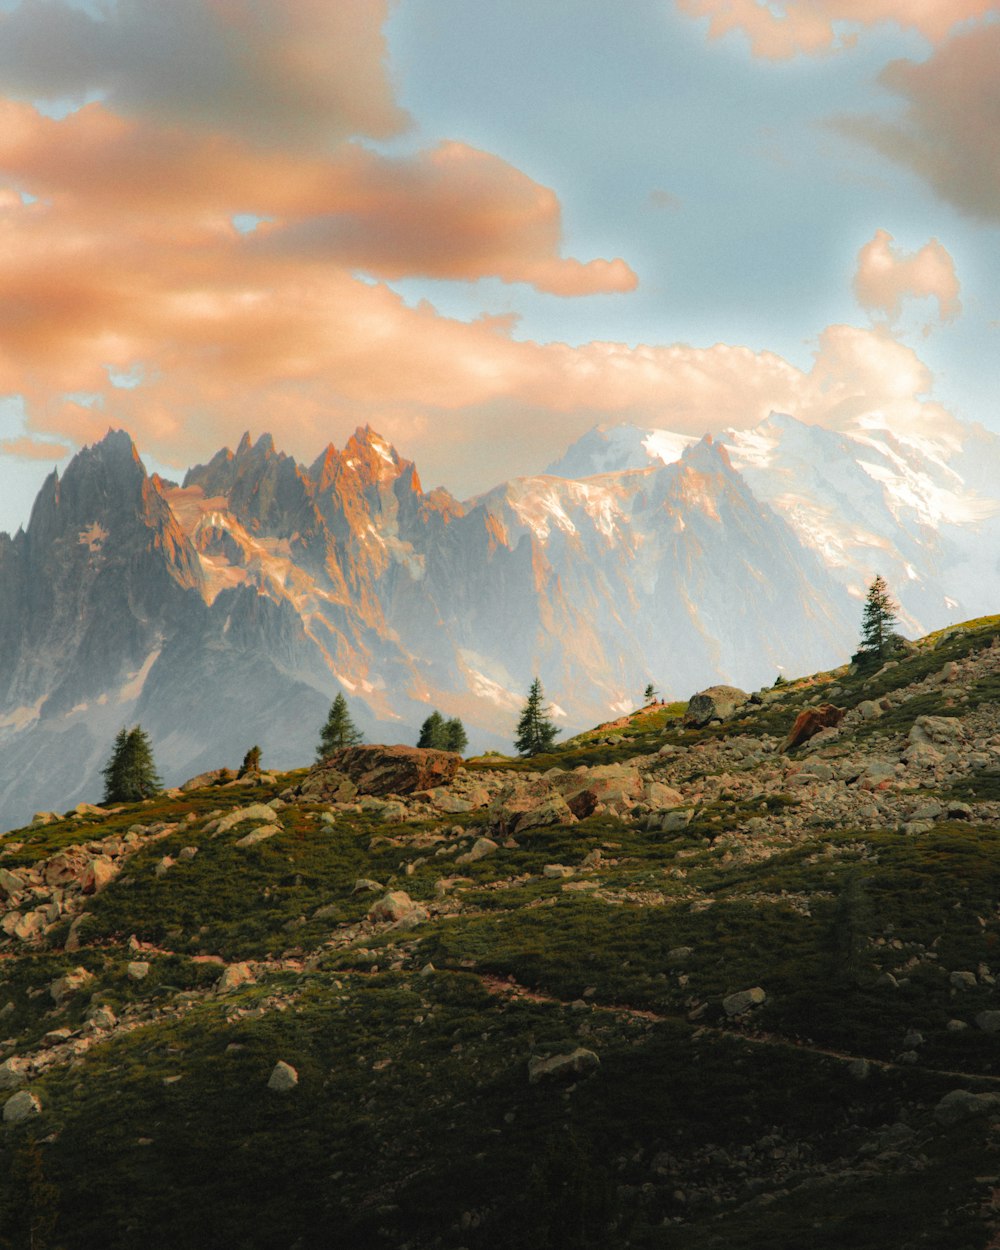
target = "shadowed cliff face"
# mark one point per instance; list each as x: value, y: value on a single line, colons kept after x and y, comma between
x: 231, y: 609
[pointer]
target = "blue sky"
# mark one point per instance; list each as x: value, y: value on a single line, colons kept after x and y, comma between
x: 417, y: 166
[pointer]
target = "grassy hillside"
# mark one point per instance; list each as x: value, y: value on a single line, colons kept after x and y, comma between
x: 421, y: 1116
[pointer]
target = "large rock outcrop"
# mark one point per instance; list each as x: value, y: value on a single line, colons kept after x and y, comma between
x: 373, y: 769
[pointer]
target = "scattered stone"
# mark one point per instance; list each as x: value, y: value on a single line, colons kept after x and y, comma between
x: 397, y: 907
x: 259, y: 812
x: 164, y: 866
x: 480, y: 849
x: 811, y: 722
x: 21, y: 1106
x: 283, y: 1077
x: 716, y: 703
x: 556, y: 872
x: 988, y: 1021
x: 260, y: 834
x: 963, y: 980
x: 99, y: 872
x: 233, y: 977
x: 14, y: 1072
x: 137, y: 970
x: 737, y: 1004
x: 962, y: 1104
x: 69, y: 984
x: 562, y: 1067
x: 675, y: 821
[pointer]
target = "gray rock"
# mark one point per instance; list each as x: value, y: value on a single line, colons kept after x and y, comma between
x: 480, y: 849
x: 137, y: 970
x: 21, y: 1106
x: 68, y: 984
x: 397, y: 907
x: 233, y: 977
x: 260, y: 834
x: 14, y: 1072
x: 283, y: 1077
x: 715, y: 703
x: 736, y: 1004
x: 962, y: 1104
x: 674, y: 822
x: 562, y: 1067
x: 988, y: 1021
x: 963, y: 980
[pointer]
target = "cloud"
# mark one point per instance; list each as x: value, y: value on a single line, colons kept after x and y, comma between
x: 809, y: 27
x: 886, y: 276
x: 948, y: 134
x: 299, y: 72
x: 451, y: 212
x: 27, y: 448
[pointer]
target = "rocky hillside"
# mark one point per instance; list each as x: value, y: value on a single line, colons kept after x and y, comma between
x: 671, y: 985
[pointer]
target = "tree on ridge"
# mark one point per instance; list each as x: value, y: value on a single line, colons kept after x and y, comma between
x: 535, y: 731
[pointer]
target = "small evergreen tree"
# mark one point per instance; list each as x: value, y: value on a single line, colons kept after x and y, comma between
x: 535, y: 731
x: 339, y: 730
x: 251, y: 762
x: 649, y: 694
x: 130, y: 774
x: 432, y: 732
x: 455, y: 737
x: 878, y: 635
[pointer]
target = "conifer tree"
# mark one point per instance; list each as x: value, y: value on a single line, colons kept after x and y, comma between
x: 535, y: 731
x: 251, y: 762
x: 649, y: 694
x: 455, y: 737
x: 130, y: 774
x: 432, y: 732
x: 877, y: 622
x: 339, y: 730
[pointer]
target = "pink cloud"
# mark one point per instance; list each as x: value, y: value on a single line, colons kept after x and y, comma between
x: 451, y: 212
x: 810, y: 26
x: 949, y: 132
x: 886, y: 276
x: 27, y: 448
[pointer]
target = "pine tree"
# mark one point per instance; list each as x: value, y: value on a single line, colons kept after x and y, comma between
x: 535, y: 732
x: 877, y: 622
x: 251, y: 762
x: 455, y: 737
x: 339, y: 730
x: 432, y: 732
x: 130, y: 774
x: 649, y: 694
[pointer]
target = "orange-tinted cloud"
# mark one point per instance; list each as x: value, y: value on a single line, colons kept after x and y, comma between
x: 948, y: 134
x: 452, y: 212
x: 809, y: 26
x: 886, y: 276
x: 290, y: 72
x: 26, y: 448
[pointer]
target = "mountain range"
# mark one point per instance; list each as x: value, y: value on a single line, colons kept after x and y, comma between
x: 228, y: 610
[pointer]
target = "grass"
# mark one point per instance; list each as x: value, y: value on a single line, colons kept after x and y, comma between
x: 414, y: 1125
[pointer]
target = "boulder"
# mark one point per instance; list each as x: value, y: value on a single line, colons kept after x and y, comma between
x: 260, y: 834
x: 737, y: 1004
x: 395, y: 907
x: 937, y: 731
x: 68, y: 984
x: 810, y: 722
x: 258, y: 812
x: 385, y: 769
x: 326, y: 784
x: 962, y: 1104
x: 617, y: 786
x: 480, y: 849
x: 715, y: 703
x: 14, y: 1072
x: 562, y: 1067
x: 988, y: 1021
x: 21, y: 1106
x: 553, y: 811
x: 204, y: 779
x: 233, y: 977
x: 99, y: 872
x: 137, y: 970
x: 283, y: 1078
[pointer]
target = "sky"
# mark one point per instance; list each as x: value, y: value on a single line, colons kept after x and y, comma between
x: 484, y: 228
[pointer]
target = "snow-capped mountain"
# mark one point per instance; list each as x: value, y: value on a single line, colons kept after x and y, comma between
x: 923, y: 511
x: 228, y: 610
